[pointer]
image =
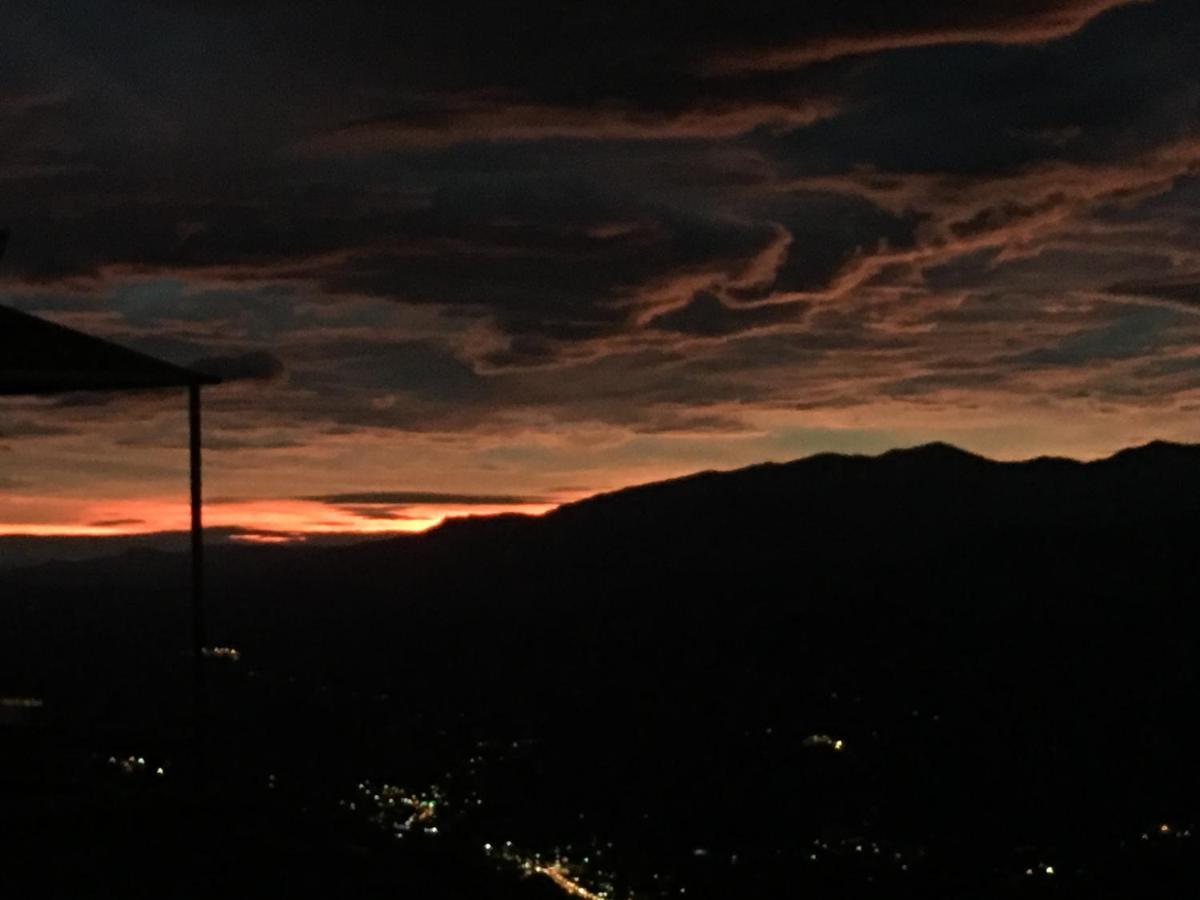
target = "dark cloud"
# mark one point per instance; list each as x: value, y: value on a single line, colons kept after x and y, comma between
x: 497, y: 117
x: 661, y: 56
x: 937, y: 382
x: 380, y: 366
x: 413, y: 498
x: 829, y: 233
x: 1136, y: 334
x: 706, y: 316
x: 376, y: 512
x: 253, y: 442
x: 850, y: 30
x: 257, y: 365
x: 1180, y: 365
x: 975, y: 110
x: 671, y: 422
x: 31, y: 428
x: 1183, y: 288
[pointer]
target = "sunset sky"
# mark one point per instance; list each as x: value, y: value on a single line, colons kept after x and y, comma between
x: 470, y: 257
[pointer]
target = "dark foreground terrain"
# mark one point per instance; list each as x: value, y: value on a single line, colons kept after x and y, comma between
x: 919, y: 675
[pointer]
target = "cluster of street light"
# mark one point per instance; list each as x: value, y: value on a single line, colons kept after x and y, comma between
x: 568, y: 875
x: 231, y: 654
x: 861, y: 848
x: 398, y: 810
x: 825, y: 740
x: 1167, y: 830
x: 21, y: 703
x: 401, y: 812
x: 136, y: 765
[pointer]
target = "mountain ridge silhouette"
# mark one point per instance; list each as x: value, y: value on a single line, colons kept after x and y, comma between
x: 1143, y: 480
x: 1096, y: 483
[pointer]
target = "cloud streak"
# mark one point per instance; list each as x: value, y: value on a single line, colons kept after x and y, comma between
x: 444, y: 121
x: 425, y: 498
x: 927, y: 25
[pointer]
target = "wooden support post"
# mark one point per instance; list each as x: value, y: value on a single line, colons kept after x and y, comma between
x: 199, y: 684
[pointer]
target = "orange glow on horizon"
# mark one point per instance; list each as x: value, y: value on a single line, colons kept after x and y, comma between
x: 260, y: 520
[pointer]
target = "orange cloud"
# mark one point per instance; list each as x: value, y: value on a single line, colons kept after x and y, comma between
x: 996, y: 25
x: 59, y: 517
x: 489, y: 117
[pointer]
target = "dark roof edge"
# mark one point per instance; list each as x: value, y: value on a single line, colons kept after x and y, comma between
x: 187, y: 377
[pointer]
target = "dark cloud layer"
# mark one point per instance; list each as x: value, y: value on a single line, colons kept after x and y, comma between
x: 413, y: 498
x: 256, y: 365
x: 471, y: 222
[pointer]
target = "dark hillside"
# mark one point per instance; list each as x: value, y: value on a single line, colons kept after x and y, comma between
x: 1008, y: 652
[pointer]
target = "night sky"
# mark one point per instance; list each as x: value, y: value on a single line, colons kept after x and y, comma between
x: 458, y: 257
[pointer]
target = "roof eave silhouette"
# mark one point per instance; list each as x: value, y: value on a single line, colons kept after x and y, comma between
x: 42, y: 357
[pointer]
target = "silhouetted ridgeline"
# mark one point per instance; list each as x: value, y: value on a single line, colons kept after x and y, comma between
x: 1009, y: 651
